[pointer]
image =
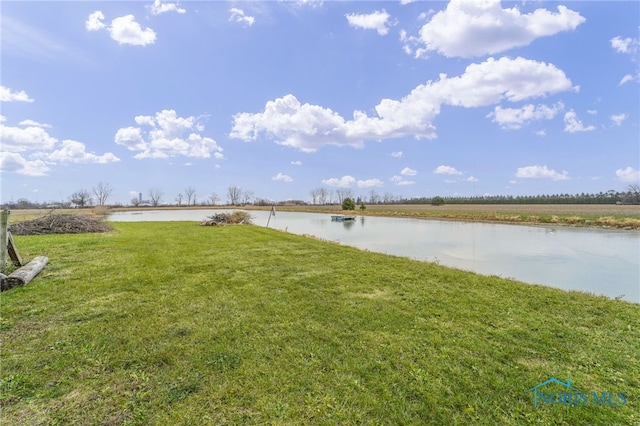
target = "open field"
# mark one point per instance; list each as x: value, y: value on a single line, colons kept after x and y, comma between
x: 162, y: 323
x: 589, y: 215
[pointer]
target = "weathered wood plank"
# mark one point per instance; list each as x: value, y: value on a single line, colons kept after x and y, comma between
x: 4, y: 236
x: 13, y: 251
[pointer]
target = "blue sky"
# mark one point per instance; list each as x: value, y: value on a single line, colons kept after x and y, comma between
x: 402, y: 98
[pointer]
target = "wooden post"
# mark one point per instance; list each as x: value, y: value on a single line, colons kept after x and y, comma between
x: 4, y: 237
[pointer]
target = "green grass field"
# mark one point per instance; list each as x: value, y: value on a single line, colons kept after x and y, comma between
x: 178, y: 324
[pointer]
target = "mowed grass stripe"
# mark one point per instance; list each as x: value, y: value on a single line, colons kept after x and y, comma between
x: 174, y: 323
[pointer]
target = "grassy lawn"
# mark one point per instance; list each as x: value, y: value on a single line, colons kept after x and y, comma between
x: 176, y: 324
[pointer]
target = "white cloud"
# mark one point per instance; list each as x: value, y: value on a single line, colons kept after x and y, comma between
x: 17, y: 139
x: 373, y: 21
x: 168, y: 136
x: 282, y: 178
x: 400, y: 181
x: 159, y: 7
x: 2, y: 118
x: 124, y: 30
x: 618, y: 119
x: 32, y: 123
x: 625, y: 45
x: 11, y: 162
x: 396, y: 154
x: 238, y: 15
x: 297, y: 163
x: 405, y: 2
x: 471, y: 179
x: 540, y: 132
x: 476, y: 28
x: 446, y: 170
x: 309, y: 127
x: 408, y: 172
x: 628, y: 175
x: 540, y: 172
x: 75, y: 152
x: 6, y: 95
x: 515, y: 118
x: 573, y: 124
x: 94, y: 21
x: 343, y: 182
x: 627, y: 78
x: 369, y: 183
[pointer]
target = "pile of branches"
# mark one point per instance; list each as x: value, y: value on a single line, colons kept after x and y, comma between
x: 60, y: 224
x: 233, y: 218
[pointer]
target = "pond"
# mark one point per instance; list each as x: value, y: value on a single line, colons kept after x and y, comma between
x: 597, y: 261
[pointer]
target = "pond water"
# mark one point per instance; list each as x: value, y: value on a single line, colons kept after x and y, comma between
x: 597, y: 261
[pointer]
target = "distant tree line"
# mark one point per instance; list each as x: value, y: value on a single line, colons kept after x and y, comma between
x: 236, y: 196
x: 632, y: 196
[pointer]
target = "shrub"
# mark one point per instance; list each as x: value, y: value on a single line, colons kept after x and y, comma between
x: 348, y: 204
x: 437, y: 201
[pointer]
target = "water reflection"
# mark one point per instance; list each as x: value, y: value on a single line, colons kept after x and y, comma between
x: 597, y: 261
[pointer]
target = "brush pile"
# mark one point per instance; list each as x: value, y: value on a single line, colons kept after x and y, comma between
x: 233, y: 218
x: 60, y: 224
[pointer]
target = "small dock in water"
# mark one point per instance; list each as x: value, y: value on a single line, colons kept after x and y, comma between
x: 342, y: 218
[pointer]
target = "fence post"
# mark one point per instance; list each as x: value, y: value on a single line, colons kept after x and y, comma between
x: 4, y: 237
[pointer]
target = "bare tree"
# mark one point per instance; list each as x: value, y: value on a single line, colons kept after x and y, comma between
x: 344, y: 193
x: 190, y: 192
x: 81, y: 198
x: 234, y: 193
x: 247, y: 196
x: 315, y: 193
x: 135, y: 201
x: 155, y: 195
x: 374, y: 198
x: 102, y: 192
x: 179, y: 199
x: 213, y: 199
x: 323, y: 195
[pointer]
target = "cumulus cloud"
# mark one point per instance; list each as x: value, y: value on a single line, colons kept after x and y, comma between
x: 297, y: 163
x: 167, y: 135
x: 396, y: 154
x: 369, y: 183
x: 400, y: 181
x: 540, y: 172
x: 515, y: 118
x: 159, y: 7
x: 343, y: 182
x: 628, y: 175
x: 625, y: 45
x: 238, y: 15
x: 471, y: 179
x: 618, y: 119
x: 75, y: 152
x: 11, y: 162
x: 407, y: 171
x: 41, y: 146
x: 94, y: 21
x: 124, y: 29
x: 280, y: 177
x: 309, y: 127
x: 446, y: 170
x: 476, y: 28
x: 7, y: 95
x: 17, y: 139
x: 377, y: 20
x: 573, y: 124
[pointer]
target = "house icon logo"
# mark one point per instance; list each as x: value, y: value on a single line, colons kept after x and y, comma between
x: 537, y: 390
